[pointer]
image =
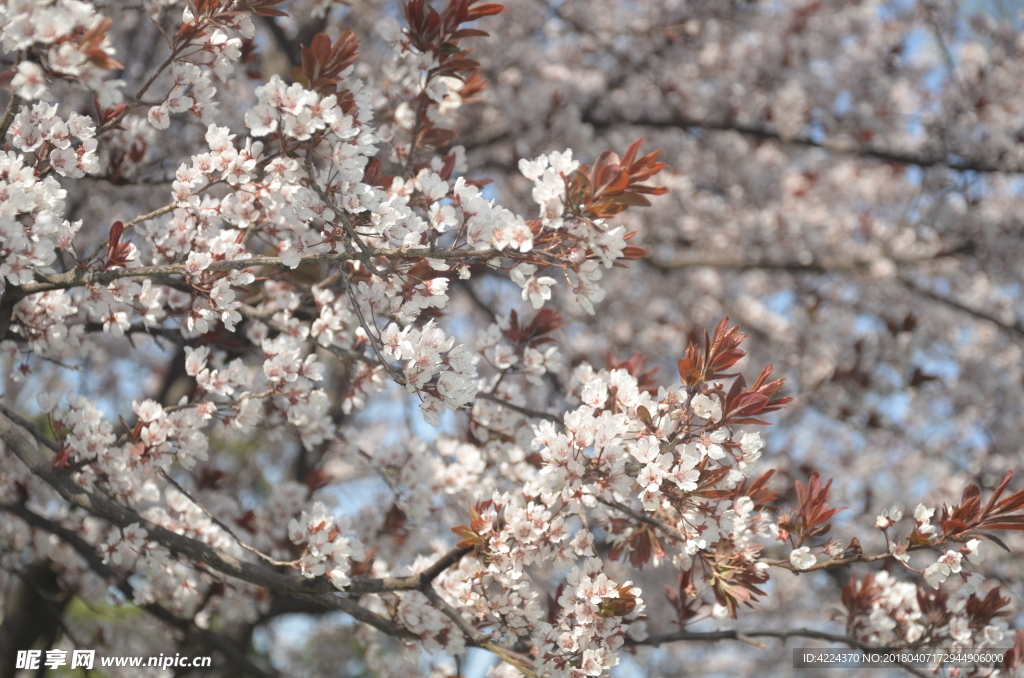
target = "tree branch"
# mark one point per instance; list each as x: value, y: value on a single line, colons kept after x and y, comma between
x: 335, y: 601
x: 490, y: 397
x: 1017, y: 329
x: 116, y: 120
x: 291, y: 48
x: 12, y: 110
x: 830, y: 563
x: 258, y: 574
x: 475, y: 637
x: 635, y: 515
x: 28, y: 426
x: 88, y: 552
x: 947, y: 161
x: 738, y: 262
x: 79, y: 277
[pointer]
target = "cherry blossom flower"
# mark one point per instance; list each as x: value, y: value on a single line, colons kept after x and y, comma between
x: 29, y: 82
x: 802, y: 558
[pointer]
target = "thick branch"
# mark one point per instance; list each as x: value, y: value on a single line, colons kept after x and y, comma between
x: 29, y: 426
x: 290, y: 47
x: 359, y: 613
x: 88, y: 553
x: 831, y: 562
x: 79, y: 277
x: 228, y: 564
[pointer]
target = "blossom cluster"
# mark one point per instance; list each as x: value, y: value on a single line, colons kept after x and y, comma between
x: 593, y: 621
x: 31, y: 203
x: 422, y: 350
x: 71, y: 40
x: 328, y: 546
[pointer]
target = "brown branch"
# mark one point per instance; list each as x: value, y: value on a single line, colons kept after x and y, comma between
x: 28, y: 426
x: 475, y: 298
x: 334, y: 601
x: 490, y: 397
x: 11, y: 295
x: 475, y: 637
x: 723, y: 260
x: 441, y: 604
x: 151, y: 215
x: 88, y: 553
x: 116, y: 120
x: 831, y: 562
x: 443, y: 563
x: 258, y: 574
x: 219, y: 523
x: 1017, y: 329
x: 948, y: 161
x: 291, y: 48
x: 79, y: 277
x: 373, y: 336
x: 11, y: 111
x: 635, y: 515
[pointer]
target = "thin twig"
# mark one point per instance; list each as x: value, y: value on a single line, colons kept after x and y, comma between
x: 830, y: 563
x: 635, y: 515
x: 357, y: 242
x: 371, y: 335
x: 150, y: 215
x: 116, y: 120
x: 219, y: 523
x: 475, y: 637
x: 519, y: 408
